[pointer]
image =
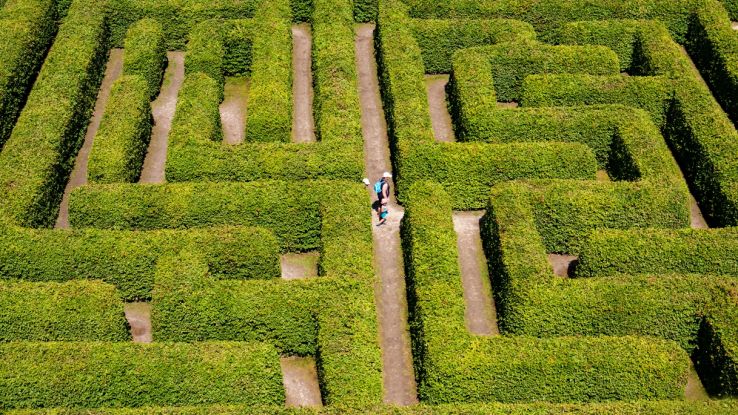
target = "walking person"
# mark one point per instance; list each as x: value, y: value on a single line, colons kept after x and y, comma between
x: 382, y: 189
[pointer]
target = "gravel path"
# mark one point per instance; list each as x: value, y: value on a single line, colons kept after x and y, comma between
x: 139, y: 318
x: 234, y: 109
x: 163, y: 109
x: 78, y: 178
x: 440, y: 117
x: 300, y: 379
x: 303, y: 123
x: 398, y: 374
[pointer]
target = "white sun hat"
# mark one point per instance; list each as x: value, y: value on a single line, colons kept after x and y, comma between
x: 387, y: 175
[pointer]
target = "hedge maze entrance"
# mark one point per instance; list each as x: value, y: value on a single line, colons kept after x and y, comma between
x: 183, y: 228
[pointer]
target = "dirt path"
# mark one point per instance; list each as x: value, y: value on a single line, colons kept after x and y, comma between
x: 299, y: 266
x: 163, y: 110
x: 300, y: 379
x: 562, y: 264
x: 440, y: 117
x: 234, y: 109
x: 696, y: 219
x: 695, y: 391
x: 398, y: 374
x: 303, y: 123
x: 480, y: 314
x: 139, y: 318
x: 78, y: 178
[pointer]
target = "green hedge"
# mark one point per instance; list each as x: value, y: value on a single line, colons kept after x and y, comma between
x: 178, y: 17
x: 453, y: 366
x: 71, y: 311
x: 190, y: 305
x: 28, y: 27
x: 205, y: 52
x: 547, y: 16
x: 732, y: 7
x: 656, y: 251
x: 37, y: 159
x: 145, y: 53
x: 238, y: 43
x: 122, y: 141
x: 127, y: 259
x: 618, y: 35
x: 79, y: 375
x: 652, y: 94
x: 270, y: 93
x: 289, y: 209
x: 365, y: 10
x: 197, y: 118
x: 439, y: 39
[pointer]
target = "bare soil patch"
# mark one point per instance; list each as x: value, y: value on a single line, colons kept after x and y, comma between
x: 563, y: 265
x: 696, y: 219
x: 163, y: 109
x: 303, y: 123
x: 300, y: 266
x: 511, y: 104
x: 440, y: 117
x: 139, y: 319
x: 78, y: 178
x: 234, y: 109
x: 398, y: 374
x: 603, y: 176
x: 695, y: 391
x: 480, y: 314
x: 300, y: 379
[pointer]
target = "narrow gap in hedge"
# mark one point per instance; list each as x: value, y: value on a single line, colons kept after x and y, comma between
x: 603, y: 176
x: 696, y: 218
x: 563, y: 265
x: 234, y: 109
x: 695, y: 390
x: 300, y: 379
x: 511, y: 104
x: 303, y: 122
x: 163, y: 111
x: 440, y: 117
x: 78, y: 177
x: 480, y: 313
x: 734, y: 25
x: 390, y: 297
x: 299, y: 266
x: 138, y: 315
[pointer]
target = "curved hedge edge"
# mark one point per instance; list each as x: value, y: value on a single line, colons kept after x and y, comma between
x: 69, y: 311
x: 145, y: 53
x: 121, y: 143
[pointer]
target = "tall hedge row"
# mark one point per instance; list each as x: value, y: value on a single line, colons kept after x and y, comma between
x: 88, y: 375
x: 70, y: 311
x: 127, y: 259
x: 37, y: 158
x: 121, y: 143
x: 145, y: 53
x: 453, y: 366
x: 206, y: 52
x: 28, y: 27
x: 238, y: 43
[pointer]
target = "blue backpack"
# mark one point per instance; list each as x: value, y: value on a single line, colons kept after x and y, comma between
x: 378, y: 187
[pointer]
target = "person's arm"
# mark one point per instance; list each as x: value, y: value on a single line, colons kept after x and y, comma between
x: 386, y: 190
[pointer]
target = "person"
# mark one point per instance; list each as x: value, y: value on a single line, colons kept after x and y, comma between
x: 382, y: 189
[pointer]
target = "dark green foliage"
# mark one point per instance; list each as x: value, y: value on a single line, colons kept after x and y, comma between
x: 238, y: 44
x: 71, y: 311
x: 205, y: 52
x: 520, y: 368
x: 365, y: 10
x: 121, y: 143
x: 145, y: 53
x: 660, y: 252
x: 133, y: 375
x: 127, y: 259
x: 177, y: 17
x: 302, y: 11
x: 37, y: 159
x: 732, y: 7
x: 618, y: 35
x: 28, y: 27
x: 652, y: 94
x: 439, y: 39
x: 197, y: 117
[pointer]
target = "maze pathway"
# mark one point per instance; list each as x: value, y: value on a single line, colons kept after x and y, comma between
x: 399, y: 380
x: 440, y: 117
x: 303, y: 124
x: 234, y: 109
x: 79, y: 174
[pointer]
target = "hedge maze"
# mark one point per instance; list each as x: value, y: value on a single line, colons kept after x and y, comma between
x: 183, y: 228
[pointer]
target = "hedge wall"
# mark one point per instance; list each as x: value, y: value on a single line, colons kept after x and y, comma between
x: 37, y: 159
x: 197, y: 118
x: 28, y: 27
x: 121, y: 143
x: 206, y: 53
x: 607, y: 252
x: 145, y: 54
x: 88, y: 375
x: 71, y: 311
x: 453, y: 366
x: 178, y: 17
x: 439, y: 39
x: 713, y: 407
x: 238, y: 43
x: 127, y: 259
x: 652, y: 94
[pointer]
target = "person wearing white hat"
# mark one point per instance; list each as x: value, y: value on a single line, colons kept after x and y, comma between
x: 382, y: 189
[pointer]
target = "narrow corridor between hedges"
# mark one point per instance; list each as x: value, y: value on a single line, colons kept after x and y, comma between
x: 390, y: 298
x: 303, y: 122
